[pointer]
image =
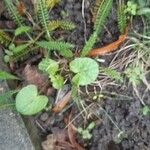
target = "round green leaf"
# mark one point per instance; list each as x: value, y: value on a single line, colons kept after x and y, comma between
x: 48, y: 65
x: 28, y: 102
x: 58, y: 81
x: 86, y: 70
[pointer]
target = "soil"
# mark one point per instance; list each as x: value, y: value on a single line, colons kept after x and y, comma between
x: 124, y: 112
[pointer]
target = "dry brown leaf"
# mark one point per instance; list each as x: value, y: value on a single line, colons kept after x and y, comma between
x: 56, y: 141
x: 72, y: 137
x: 62, y: 103
x: 72, y: 133
x: 21, y: 8
x: 33, y: 76
x: 49, y: 144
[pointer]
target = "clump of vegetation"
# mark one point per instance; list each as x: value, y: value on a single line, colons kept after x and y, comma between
x: 81, y: 69
x: 85, y: 133
x: 18, y: 50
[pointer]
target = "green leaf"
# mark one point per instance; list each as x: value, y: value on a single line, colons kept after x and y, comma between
x: 145, y: 110
x: 58, y: 81
x: 143, y: 11
x: 12, y: 10
x: 102, y: 13
x: 112, y: 73
x: 28, y: 102
x: 4, y: 97
x: 66, y: 25
x: 4, y: 38
x: 86, y: 134
x: 21, y: 30
x: 62, y: 47
x: 48, y: 65
x: 80, y: 130
x: 66, y: 53
x: 135, y: 74
x: 20, y: 48
x: 91, y: 126
x: 86, y: 70
x: 43, y: 15
x: 7, y: 76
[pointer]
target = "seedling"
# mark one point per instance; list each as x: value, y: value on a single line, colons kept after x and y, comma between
x: 51, y: 67
x: 145, y: 110
x: 135, y: 74
x: 131, y: 8
x: 85, y: 133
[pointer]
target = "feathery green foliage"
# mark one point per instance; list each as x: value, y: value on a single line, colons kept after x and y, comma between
x: 51, y: 3
x: 20, y: 48
x: 95, y: 9
x: 43, y: 15
x: 89, y: 44
x: 102, y: 13
x: 121, y: 16
x: 62, y: 47
x: 135, y: 74
x: 4, y: 38
x: 22, y: 29
x: 66, y: 25
x: 112, y: 73
x: 13, y: 12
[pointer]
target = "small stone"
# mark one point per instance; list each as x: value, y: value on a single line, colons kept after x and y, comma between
x: 44, y: 117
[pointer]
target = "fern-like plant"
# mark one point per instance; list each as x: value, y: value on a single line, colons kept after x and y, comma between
x: 13, y: 12
x: 62, y: 47
x: 121, y: 16
x: 51, y: 3
x: 43, y: 15
x: 95, y: 9
x: 66, y: 25
x: 4, y: 38
x: 102, y: 13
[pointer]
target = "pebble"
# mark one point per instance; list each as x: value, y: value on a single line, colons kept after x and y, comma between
x: 44, y: 116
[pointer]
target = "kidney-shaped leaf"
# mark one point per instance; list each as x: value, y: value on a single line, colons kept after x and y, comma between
x: 48, y: 65
x: 86, y: 70
x: 28, y: 102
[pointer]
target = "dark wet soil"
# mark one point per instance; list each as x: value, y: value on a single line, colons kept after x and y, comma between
x: 124, y: 113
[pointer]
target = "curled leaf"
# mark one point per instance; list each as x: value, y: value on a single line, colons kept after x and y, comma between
x: 62, y: 103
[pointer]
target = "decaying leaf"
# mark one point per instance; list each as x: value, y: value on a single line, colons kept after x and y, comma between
x: 72, y: 134
x: 62, y: 139
x: 57, y: 141
x: 49, y: 144
x: 21, y: 8
x: 33, y: 76
x: 72, y: 137
x: 62, y: 103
